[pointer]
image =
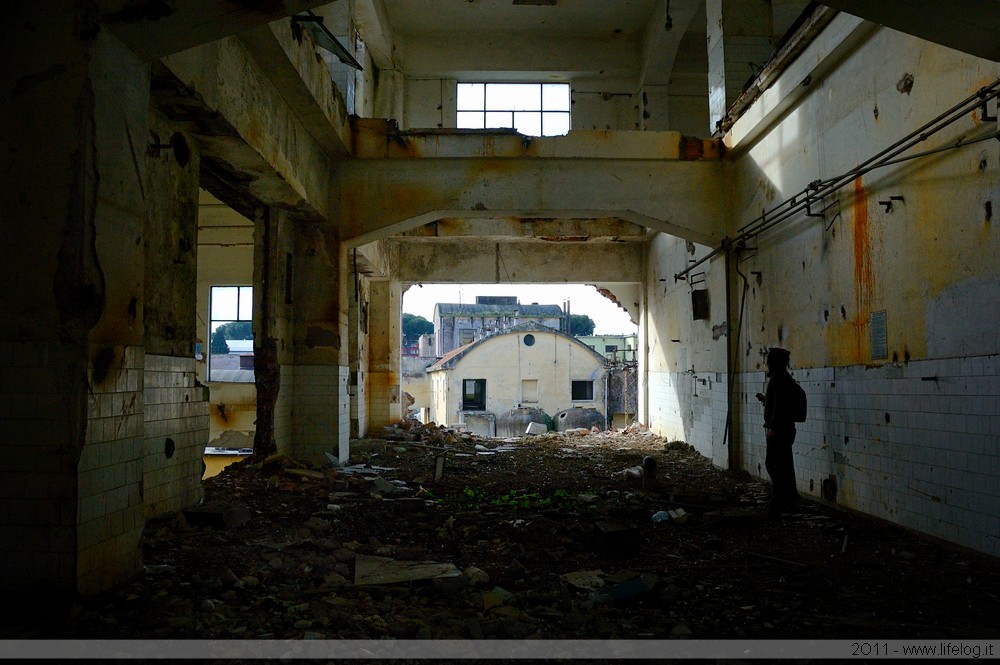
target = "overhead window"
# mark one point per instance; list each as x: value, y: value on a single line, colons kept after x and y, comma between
x: 533, y: 109
x: 230, y: 356
x: 474, y: 394
x: 583, y: 391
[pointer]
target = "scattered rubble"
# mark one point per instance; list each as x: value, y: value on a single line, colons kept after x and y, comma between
x: 538, y: 536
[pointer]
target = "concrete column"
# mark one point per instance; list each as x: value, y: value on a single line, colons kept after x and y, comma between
x: 321, y: 404
x: 739, y: 42
x: 358, y: 353
x: 383, y: 381
x: 71, y: 359
x: 176, y: 409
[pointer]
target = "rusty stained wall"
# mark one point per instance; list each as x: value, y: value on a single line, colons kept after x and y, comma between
x: 907, y: 240
x: 899, y: 422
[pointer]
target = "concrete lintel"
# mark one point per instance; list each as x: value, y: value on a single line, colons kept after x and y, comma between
x: 377, y: 198
x: 486, y: 261
x: 604, y: 228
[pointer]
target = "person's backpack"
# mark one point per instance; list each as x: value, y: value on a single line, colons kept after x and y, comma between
x: 798, y: 402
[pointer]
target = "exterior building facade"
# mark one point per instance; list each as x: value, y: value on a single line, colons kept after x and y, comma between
x: 528, y: 365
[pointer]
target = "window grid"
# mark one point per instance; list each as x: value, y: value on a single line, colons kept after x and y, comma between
x: 487, y: 106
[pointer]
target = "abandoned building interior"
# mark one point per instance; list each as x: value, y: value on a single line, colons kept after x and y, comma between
x: 737, y: 174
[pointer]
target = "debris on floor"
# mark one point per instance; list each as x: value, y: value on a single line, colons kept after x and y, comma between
x: 543, y: 538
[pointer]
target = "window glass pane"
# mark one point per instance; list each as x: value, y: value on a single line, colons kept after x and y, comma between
x: 501, y: 119
x: 583, y: 390
x: 555, y: 124
x: 246, y: 303
x: 528, y: 123
x: 224, y: 299
x: 469, y: 120
x: 555, y: 97
x: 514, y: 96
x: 470, y: 96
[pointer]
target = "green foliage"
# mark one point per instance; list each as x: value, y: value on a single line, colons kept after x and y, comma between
x: 219, y: 343
x: 231, y: 330
x: 236, y: 330
x: 413, y: 326
x: 581, y: 324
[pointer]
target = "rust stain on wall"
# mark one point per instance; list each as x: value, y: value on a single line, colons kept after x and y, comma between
x: 864, y: 280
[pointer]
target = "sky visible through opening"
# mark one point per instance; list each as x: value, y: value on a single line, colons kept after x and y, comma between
x: 609, y: 318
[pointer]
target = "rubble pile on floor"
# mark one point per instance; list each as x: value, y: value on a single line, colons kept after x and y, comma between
x: 544, y: 536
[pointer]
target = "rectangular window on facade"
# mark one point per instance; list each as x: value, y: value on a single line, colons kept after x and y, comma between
x: 230, y: 350
x: 533, y: 109
x: 529, y: 390
x: 583, y: 390
x: 610, y: 348
x: 466, y: 336
x: 474, y: 395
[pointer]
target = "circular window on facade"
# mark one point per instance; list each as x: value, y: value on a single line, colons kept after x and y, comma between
x: 529, y: 340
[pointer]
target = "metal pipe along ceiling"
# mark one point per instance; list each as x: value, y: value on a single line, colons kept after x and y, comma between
x: 816, y: 190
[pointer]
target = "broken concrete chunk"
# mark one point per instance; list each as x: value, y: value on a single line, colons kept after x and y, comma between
x: 591, y: 580
x: 536, y: 428
x: 383, y: 570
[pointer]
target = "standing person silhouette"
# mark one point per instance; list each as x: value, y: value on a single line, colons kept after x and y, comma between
x: 779, y: 421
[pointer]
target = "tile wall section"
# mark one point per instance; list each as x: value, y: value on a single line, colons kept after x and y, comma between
x: 110, y: 504
x: 320, y: 411
x: 690, y: 407
x: 176, y: 432
x: 915, y: 444
x: 38, y: 476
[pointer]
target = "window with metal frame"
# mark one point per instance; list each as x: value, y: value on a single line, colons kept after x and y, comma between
x: 533, y: 109
x: 230, y: 329
x: 582, y: 391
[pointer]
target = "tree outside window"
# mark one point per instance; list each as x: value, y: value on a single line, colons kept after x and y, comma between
x: 230, y: 356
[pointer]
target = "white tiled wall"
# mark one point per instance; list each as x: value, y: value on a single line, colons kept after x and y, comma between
x: 320, y: 411
x: 691, y: 408
x: 110, y: 509
x: 916, y: 444
x: 176, y: 408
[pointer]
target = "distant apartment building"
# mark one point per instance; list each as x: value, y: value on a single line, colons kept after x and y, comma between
x: 458, y: 324
x: 616, y: 348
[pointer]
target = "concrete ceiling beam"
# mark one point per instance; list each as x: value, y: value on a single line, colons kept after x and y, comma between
x: 255, y: 148
x: 156, y: 29
x: 606, y: 229
x: 286, y: 56
x: 487, y: 261
x: 970, y: 26
x: 377, y: 198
